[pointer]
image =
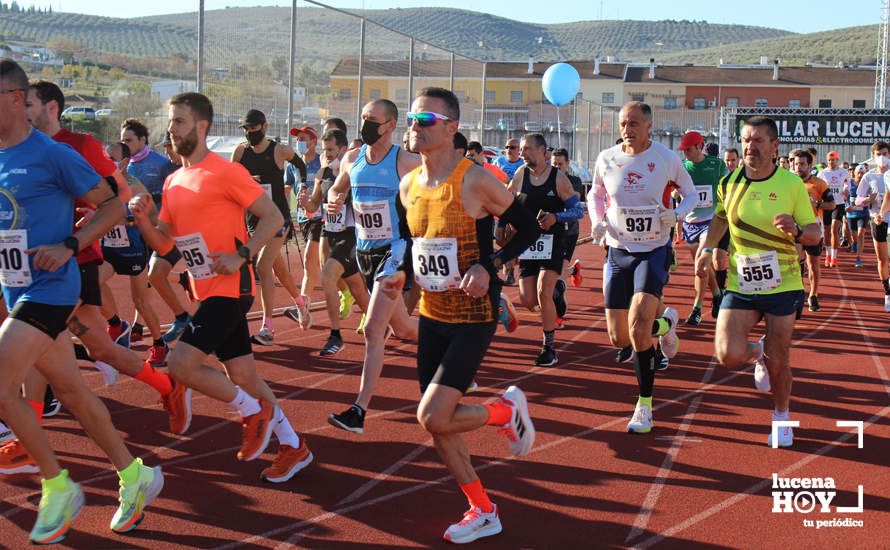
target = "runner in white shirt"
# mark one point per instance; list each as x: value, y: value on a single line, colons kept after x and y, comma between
x: 838, y: 180
x: 629, y: 205
x: 874, y: 185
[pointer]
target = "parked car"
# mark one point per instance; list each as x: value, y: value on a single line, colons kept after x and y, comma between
x: 105, y: 112
x: 79, y: 113
x: 532, y: 126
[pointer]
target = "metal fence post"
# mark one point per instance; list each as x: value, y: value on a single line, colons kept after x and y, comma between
x: 451, y: 74
x: 361, y: 77
x: 290, y: 69
x: 482, y: 118
x: 410, y: 72
x: 200, y: 77
x: 589, y: 130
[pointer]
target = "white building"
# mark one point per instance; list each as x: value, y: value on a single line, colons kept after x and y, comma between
x: 165, y: 89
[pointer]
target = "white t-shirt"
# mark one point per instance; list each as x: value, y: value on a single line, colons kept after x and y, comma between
x: 629, y: 192
x: 837, y: 180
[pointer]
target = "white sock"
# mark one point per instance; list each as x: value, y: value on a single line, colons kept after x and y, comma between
x: 245, y: 404
x: 109, y: 373
x: 781, y: 415
x: 834, y: 253
x: 283, y: 430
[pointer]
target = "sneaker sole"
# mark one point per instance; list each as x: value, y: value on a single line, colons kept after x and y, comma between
x: 337, y: 424
x: 77, y: 505
x: 24, y: 469
x: 188, y: 412
x: 492, y: 529
x: 639, y: 430
x: 517, y: 396
x: 292, y: 472
x: 49, y: 413
x: 326, y: 353
x: 257, y: 341
x: 550, y: 364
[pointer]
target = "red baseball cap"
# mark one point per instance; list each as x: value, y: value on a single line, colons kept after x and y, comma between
x: 833, y: 154
x: 690, y: 139
x: 308, y: 130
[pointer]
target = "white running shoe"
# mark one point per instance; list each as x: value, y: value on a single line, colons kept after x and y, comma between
x: 786, y: 436
x: 520, y: 430
x: 474, y: 525
x: 761, y: 374
x: 641, y: 421
x: 670, y: 343
x: 265, y: 337
x: 887, y: 303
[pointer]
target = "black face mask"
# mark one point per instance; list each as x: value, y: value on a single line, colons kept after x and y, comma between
x: 370, y: 131
x: 255, y: 137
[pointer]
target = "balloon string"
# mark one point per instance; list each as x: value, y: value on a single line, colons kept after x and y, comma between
x: 558, y: 129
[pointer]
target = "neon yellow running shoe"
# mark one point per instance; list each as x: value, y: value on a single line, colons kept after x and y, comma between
x: 360, y: 329
x: 61, y: 501
x: 135, y: 496
x: 346, y: 301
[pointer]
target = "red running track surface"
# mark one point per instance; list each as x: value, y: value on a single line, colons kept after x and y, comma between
x: 701, y: 478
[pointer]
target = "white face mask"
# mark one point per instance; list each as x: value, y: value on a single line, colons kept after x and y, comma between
x: 881, y: 161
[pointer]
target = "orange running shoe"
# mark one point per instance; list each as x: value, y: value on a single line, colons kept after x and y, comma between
x: 257, y: 430
x: 827, y: 260
x: 576, y: 273
x: 834, y: 262
x: 178, y: 404
x: 288, y: 462
x: 14, y: 459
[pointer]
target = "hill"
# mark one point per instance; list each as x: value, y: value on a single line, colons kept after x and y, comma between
x: 853, y: 45
x: 324, y: 36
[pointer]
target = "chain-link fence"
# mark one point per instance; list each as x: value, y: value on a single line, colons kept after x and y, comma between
x: 339, y: 60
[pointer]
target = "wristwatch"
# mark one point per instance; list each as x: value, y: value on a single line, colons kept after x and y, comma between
x: 799, y: 233
x: 244, y: 252
x: 72, y: 244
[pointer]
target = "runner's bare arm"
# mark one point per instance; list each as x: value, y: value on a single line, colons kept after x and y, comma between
x: 283, y: 153
x: 705, y: 259
x: 407, y: 162
x: 238, y: 153
x: 124, y: 193
x: 139, y: 189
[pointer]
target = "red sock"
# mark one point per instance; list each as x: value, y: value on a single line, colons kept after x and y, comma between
x: 498, y: 413
x: 157, y: 380
x: 476, y: 496
x: 38, y: 409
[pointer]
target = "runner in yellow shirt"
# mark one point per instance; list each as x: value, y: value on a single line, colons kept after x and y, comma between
x: 767, y: 211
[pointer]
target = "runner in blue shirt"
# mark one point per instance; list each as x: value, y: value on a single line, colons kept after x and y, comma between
x: 39, y: 180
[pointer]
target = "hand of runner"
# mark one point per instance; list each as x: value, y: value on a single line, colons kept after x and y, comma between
x: 598, y: 231
x: 721, y: 259
x: 547, y: 221
x: 334, y: 207
x: 879, y: 218
x: 83, y: 216
x: 140, y: 206
x: 476, y: 281
x: 226, y: 264
x: 786, y: 224
x: 703, y: 264
x: 50, y: 257
x: 303, y: 197
x: 392, y: 285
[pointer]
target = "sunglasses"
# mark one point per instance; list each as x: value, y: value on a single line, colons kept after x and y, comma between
x: 511, y: 147
x: 425, y: 120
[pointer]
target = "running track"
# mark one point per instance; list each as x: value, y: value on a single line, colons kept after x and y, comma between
x: 701, y: 478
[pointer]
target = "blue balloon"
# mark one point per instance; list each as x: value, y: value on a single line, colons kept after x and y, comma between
x: 561, y: 83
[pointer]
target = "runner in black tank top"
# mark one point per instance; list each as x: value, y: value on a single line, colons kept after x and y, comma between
x: 265, y: 160
x: 547, y: 193
x: 340, y: 268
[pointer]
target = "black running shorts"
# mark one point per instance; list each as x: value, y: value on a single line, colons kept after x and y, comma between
x: 48, y: 319
x: 220, y: 326
x: 342, y: 244
x: 90, y: 291
x: 449, y: 354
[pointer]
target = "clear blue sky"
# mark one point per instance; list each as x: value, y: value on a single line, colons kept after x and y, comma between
x: 822, y: 14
